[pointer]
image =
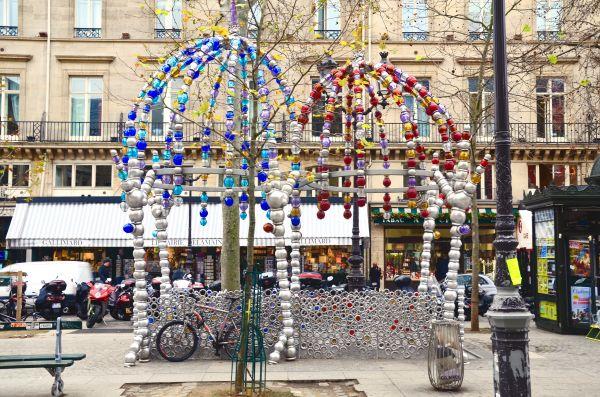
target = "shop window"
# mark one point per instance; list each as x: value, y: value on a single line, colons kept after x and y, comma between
x: 550, y: 108
x: 418, y: 111
x: 103, y: 175
x: 319, y: 112
x: 9, y: 104
x: 415, y: 20
x: 83, y: 175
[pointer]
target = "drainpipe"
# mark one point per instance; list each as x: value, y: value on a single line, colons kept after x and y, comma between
x: 48, y: 54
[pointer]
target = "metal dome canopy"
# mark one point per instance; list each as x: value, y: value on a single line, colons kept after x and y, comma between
x: 594, y: 178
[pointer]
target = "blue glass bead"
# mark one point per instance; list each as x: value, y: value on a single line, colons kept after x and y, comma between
x: 244, y: 182
x: 122, y: 175
x: 183, y: 97
x: 269, y: 214
x: 155, y: 158
x: 230, y: 84
x: 245, y: 145
x: 178, y: 159
x: 244, y: 166
x: 155, y: 233
x: 125, y: 159
x: 147, y: 108
x: 264, y: 154
x: 262, y: 176
x: 230, y: 100
x: 177, y: 190
x: 181, y: 108
x: 295, y: 220
x: 295, y: 167
x: 228, y: 182
x: 166, y: 195
x: 142, y: 134
x: 228, y: 201
x: 132, y: 115
x: 166, y: 68
x: 204, y: 197
x: 205, y: 148
x: 203, y: 213
x: 124, y: 141
x: 178, y: 135
x: 203, y: 222
x: 244, y: 197
x: 123, y: 196
x: 243, y: 215
x: 264, y: 165
x: 207, y: 131
x: 141, y: 145
x: 264, y: 205
x: 263, y: 195
x: 128, y: 228
x: 172, y: 61
x: 196, y: 74
x: 132, y: 152
x: 217, y: 86
x: 168, y: 139
x: 229, y: 115
x: 205, y: 156
x: 230, y: 136
x: 212, y: 102
x: 129, y: 132
x: 297, y: 185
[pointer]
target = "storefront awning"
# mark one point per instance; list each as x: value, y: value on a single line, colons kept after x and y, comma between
x: 91, y: 224
x: 411, y: 216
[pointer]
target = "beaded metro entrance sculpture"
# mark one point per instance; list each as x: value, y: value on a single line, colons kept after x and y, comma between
x: 448, y: 182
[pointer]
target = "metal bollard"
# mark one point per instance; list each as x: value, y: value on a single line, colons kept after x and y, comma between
x: 445, y: 355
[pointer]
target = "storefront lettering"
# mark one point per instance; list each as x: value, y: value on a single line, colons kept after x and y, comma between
x: 64, y: 242
x: 317, y: 241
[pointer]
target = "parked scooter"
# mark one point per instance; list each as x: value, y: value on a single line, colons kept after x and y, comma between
x: 120, y: 303
x: 98, y: 302
x: 268, y: 280
x: 154, y: 288
x: 11, y: 306
x: 50, y: 302
x: 485, y: 301
x: 403, y: 283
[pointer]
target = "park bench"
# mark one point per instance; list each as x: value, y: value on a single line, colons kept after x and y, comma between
x: 55, y: 363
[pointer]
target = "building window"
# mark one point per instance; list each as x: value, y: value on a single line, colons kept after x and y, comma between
x: 555, y: 174
x: 168, y: 19
x: 485, y: 114
x: 548, y: 16
x: 550, y: 107
x: 480, y: 15
x: 485, y: 189
x: 531, y: 176
x: 14, y: 175
x: 336, y: 182
x: 415, y: 21
x: 86, y: 175
x: 88, y: 19
x: 162, y: 111
x: 573, y: 175
x: 318, y: 114
x: 254, y: 20
x: 418, y: 111
x: 86, y: 106
x: 9, y: 16
x: 9, y: 104
x: 328, y: 20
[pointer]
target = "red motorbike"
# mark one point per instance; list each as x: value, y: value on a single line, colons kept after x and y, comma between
x: 11, y: 307
x: 120, y: 303
x: 98, y: 302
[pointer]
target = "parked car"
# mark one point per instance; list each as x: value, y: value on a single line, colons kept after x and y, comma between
x: 486, y: 284
x: 39, y: 273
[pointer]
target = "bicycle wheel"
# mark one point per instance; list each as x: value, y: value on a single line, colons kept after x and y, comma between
x: 176, y: 341
x: 229, y: 341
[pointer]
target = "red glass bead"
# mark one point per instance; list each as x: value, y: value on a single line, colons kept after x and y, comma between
x: 361, y: 201
x: 347, y: 214
x: 424, y: 213
x: 347, y: 206
x: 387, y: 207
x: 411, y: 193
x: 435, y: 160
x: 411, y: 163
x: 484, y: 163
x: 423, y: 92
x: 360, y: 181
x: 382, y: 135
x: 329, y: 116
x: 449, y: 165
x: 347, y: 160
x: 387, y: 182
x: 268, y: 227
x: 315, y: 95
x: 431, y: 108
x: 387, y: 198
x: 320, y: 214
x: 411, y: 81
x: 456, y: 136
x: 347, y: 183
x: 374, y: 101
x: 303, y: 119
x: 305, y: 109
x: 325, y: 205
x: 466, y: 136
x: 386, y: 158
x: 422, y: 156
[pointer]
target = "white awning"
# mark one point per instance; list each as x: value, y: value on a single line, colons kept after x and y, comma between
x: 56, y: 224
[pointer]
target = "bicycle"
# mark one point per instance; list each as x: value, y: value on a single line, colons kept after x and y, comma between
x: 177, y: 340
x: 8, y: 313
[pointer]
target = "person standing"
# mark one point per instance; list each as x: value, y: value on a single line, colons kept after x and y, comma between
x: 375, y: 276
x: 105, y: 270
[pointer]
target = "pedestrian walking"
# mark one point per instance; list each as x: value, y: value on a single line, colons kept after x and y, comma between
x: 375, y: 276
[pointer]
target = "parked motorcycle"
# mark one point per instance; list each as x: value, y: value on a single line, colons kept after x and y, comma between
x: 120, y: 303
x: 485, y: 301
x: 154, y: 288
x: 98, y: 302
x: 81, y: 300
x: 268, y: 280
x: 50, y: 302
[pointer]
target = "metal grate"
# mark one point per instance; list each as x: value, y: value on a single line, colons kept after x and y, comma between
x: 327, y: 34
x: 548, y: 35
x: 9, y: 30
x: 167, y: 33
x: 416, y: 36
x: 88, y: 33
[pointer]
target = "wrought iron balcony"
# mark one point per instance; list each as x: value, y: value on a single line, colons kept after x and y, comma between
x: 167, y: 34
x: 65, y: 132
x: 327, y: 34
x: 479, y: 36
x: 415, y: 36
x: 9, y: 30
x: 88, y: 33
x: 549, y: 35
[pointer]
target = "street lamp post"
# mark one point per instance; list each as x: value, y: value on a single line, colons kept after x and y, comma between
x: 508, y: 316
x: 189, y: 262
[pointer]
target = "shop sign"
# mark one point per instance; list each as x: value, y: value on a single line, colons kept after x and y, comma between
x: 548, y: 310
x: 207, y: 242
x: 318, y: 241
x: 64, y: 242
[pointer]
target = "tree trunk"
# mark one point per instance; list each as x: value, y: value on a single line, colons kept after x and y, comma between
x: 230, y: 251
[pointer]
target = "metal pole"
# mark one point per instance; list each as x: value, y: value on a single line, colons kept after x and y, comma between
x: 356, y: 278
x: 508, y: 316
x: 188, y: 260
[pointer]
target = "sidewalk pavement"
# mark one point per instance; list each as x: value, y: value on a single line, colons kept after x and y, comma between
x: 561, y: 365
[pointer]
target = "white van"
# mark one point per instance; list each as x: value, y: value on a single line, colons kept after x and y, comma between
x: 38, y: 273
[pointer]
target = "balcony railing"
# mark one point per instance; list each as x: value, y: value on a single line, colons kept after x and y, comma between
x: 9, y: 30
x: 76, y: 132
x: 479, y: 36
x: 327, y: 34
x: 548, y: 35
x: 167, y: 34
x: 415, y: 36
x: 88, y: 33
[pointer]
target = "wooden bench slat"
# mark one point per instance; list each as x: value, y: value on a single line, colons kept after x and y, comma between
x: 41, y: 357
x: 36, y: 364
